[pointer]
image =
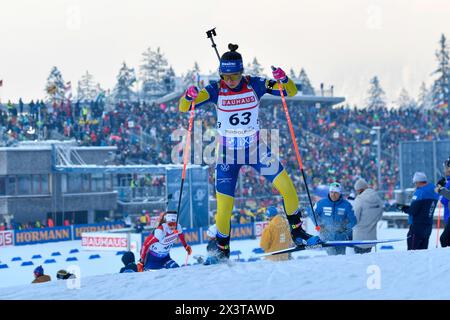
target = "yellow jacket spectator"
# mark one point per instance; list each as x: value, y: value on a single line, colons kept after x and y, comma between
x: 243, y: 219
x: 143, y: 219
x: 276, y: 236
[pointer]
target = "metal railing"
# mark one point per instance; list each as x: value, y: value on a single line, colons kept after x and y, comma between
x: 141, y: 194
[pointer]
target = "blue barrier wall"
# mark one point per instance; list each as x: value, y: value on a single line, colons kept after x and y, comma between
x: 32, y: 236
x: 43, y: 235
x: 193, y: 236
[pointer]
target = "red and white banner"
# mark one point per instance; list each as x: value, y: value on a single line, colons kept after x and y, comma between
x: 6, y: 238
x: 259, y: 227
x: 104, y: 241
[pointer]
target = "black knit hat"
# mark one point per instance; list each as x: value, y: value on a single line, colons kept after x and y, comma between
x: 231, y: 61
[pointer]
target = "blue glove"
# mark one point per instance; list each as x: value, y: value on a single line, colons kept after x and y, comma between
x: 313, y: 241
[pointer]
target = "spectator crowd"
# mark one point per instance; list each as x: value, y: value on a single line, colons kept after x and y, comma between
x: 336, y: 142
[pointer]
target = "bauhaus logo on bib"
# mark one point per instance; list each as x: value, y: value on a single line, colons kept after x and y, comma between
x: 238, y: 101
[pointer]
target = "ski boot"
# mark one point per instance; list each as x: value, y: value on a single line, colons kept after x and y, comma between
x: 297, y: 232
x: 222, y: 252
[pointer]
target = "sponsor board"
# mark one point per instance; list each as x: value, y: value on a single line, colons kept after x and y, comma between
x: 259, y: 227
x: 192, y: 237
x: 104, y: 241
x: 242, y: 231
x: 79, y: 229
x: 6, y: 238
x: 33, y: 236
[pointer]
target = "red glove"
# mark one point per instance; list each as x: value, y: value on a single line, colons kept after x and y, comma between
x: 279, y: 74
x: 140, y: 266
x: 192, y: 92
x: 188, y: 249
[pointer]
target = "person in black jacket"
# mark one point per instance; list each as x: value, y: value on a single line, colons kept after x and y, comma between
x: 444, y: 192
x: 421, y: 212
x: 129, y: 262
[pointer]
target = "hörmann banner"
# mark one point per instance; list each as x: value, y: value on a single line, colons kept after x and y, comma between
x: 33, y: 236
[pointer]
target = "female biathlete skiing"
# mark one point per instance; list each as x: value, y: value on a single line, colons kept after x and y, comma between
x: 237, y: 104
x: 155, y: 252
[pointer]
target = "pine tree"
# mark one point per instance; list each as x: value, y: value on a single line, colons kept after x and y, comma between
x: 255, y: 69
x: 405, y: 101
x: 292, y: 75
x: 123, y: 91
x: 425, y: 99
x: 87, y: 89
x: 377, y: 97
x: 152, y: 74
x: 169, y: 80
x: 55, y: 87
x: 100, y: 93
x: 306, y: 86
x: 192, y: 76
x: 441, y: 86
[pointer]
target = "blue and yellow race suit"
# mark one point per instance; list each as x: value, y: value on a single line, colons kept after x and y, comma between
x: 238, y: 129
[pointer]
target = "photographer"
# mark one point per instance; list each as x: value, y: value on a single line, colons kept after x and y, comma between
x: 421, y: 212
x: 276, y: 235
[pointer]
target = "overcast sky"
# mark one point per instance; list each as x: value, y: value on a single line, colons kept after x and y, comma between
x: 343, y: 42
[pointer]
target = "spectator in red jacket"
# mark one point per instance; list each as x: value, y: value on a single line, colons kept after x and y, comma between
x: 50, y: 223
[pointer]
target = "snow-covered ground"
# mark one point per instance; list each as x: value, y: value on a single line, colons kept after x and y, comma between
x: 398, y: 273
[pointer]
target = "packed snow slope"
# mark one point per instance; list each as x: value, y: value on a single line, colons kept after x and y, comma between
x: 379, y: 275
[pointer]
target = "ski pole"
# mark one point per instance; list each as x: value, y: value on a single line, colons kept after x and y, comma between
x: 299, y: 159
x: 186, y: 155
x: 438, y: 224
x: 187, y: 258
x: 210, y: 34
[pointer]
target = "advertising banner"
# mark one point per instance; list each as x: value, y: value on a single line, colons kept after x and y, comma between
x: 80, y: 228
x: 104, y: 241
x: 6, y: 238
x: 32, y: 236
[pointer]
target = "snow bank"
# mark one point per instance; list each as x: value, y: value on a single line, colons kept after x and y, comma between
x: 384, y: 274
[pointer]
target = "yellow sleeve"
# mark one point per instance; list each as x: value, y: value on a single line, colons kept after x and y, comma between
x: 185, y: 104
x: 289, y: 86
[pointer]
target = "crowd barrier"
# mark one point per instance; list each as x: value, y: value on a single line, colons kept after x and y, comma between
x: 44, y: 235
